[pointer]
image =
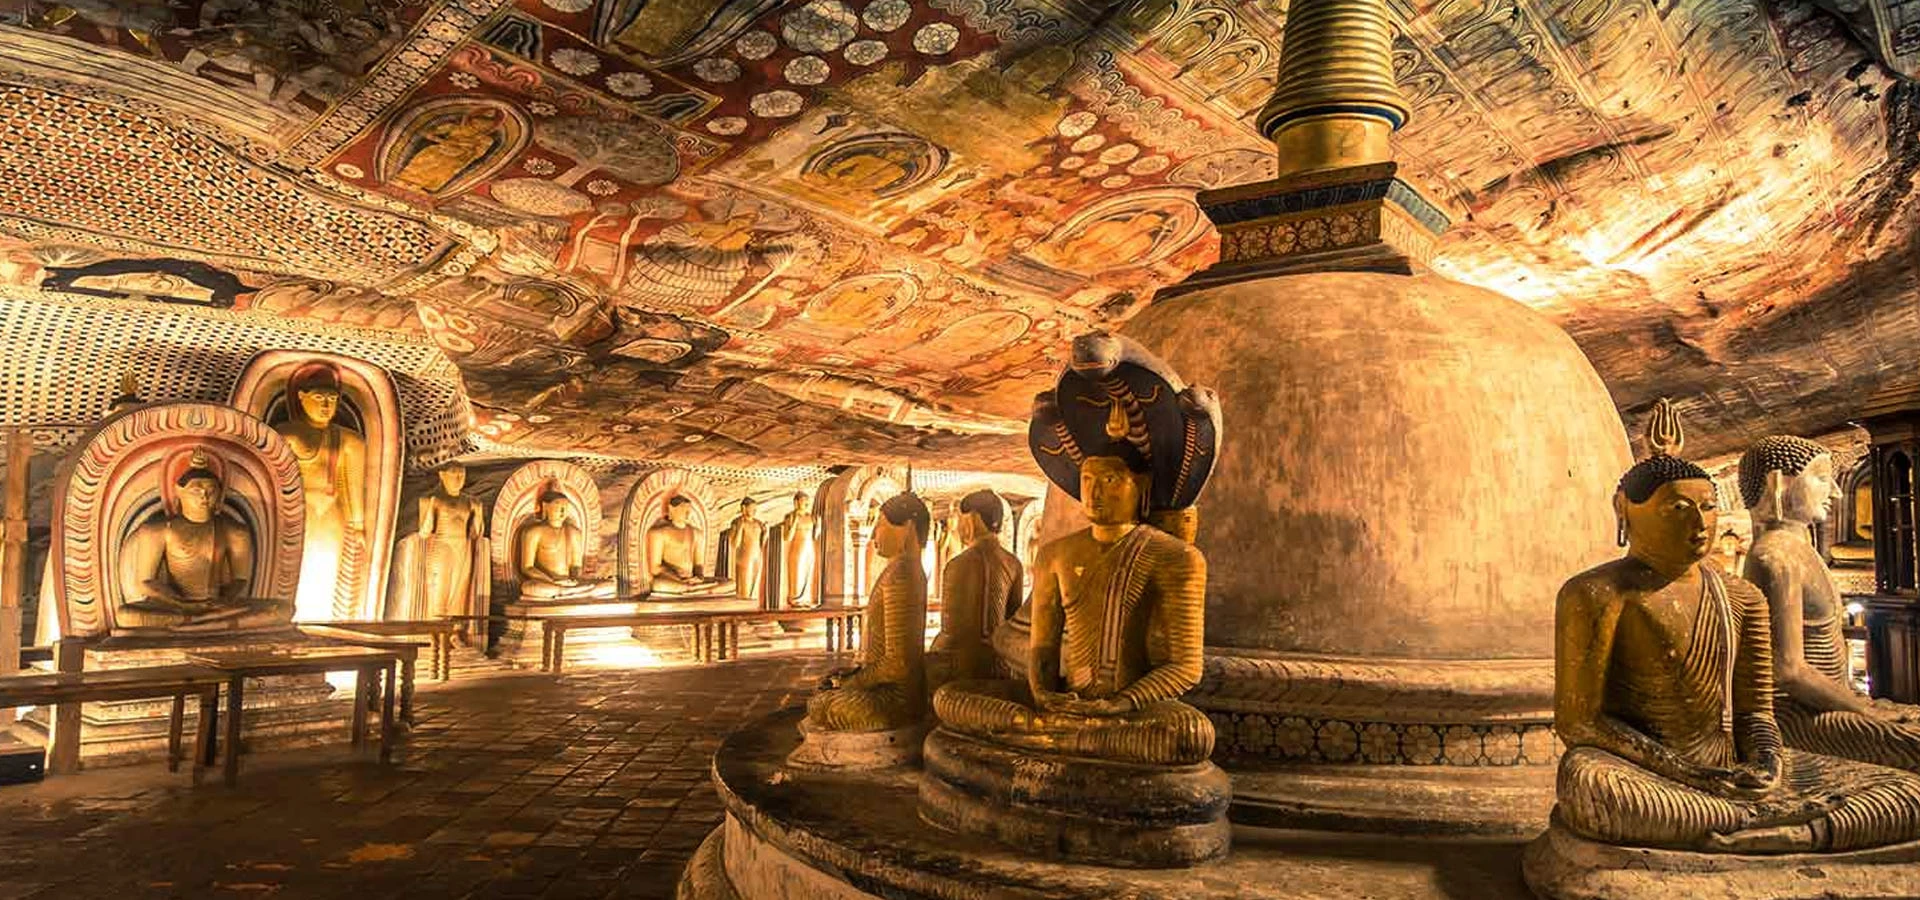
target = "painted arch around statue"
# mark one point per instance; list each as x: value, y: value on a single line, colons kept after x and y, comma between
x: 113, y: 482
x: 370, y: 405
x: 646, y: 505
x: 519, y: 502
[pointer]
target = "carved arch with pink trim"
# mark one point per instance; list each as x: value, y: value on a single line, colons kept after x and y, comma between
x: 375, y: 402
x: 646, y: 505
x: 112, y: 483
x: 518, y: 501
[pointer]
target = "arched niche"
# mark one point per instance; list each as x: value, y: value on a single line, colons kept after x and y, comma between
x: 646, y: 505
x: 518, y: 502
x: 369, y: 406
x: 1851, y: 545
x: 848, y: 505
x: 111, y: 485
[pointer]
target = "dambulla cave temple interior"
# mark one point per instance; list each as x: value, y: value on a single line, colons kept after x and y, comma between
x: 960, y: 449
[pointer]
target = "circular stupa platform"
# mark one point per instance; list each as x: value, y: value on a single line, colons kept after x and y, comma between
x: 793, y: 834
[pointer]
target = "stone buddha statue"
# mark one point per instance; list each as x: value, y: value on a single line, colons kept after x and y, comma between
x: 552, y: 554
x: 982, y: 589
x: 333, y: 471
x: 1116, y: 639
x: 452, y: 525
x: 797, y: 555
x: 676, y: 553
x: 885, y: 695
x: 1787, y: 484
x: 190, y: 568
x: 747, y: 545
x: 1664, y: 695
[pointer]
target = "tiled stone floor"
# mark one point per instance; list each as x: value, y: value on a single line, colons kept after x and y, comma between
x: 593, y: 785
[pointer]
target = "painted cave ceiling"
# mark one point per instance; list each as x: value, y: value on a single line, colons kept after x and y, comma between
x: 754, y: 231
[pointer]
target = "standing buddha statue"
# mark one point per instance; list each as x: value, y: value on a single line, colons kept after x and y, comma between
x: 982, y: 589
x: 869, y: 716
x: 333, y: 470
x: 1663, y: 695
x: 746, y: 540
x: 797, y: 555
x: 453, y: 535
x: 1116, y: 639
x: 1787, y: 484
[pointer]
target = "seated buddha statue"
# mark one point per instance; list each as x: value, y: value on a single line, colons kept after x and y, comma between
x: 1664, y: 695
x: 190, y: 568
x: 1116, y: 639
x: 551, y: 555
x: 1787, y: 483
x: 982, y: 589
x: 886, y: 693
x: 675, y: 557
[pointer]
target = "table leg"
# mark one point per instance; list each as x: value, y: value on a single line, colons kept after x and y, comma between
x: 203, y: 733
x: 176, y: 724
x: 362, y: 696
x: 406, y: 686
x: 442, y: 656
x: 388, y: 721
x: 733, y: 638
x: 546, y: 647
x: 236, y: 696
x: 559, y: 649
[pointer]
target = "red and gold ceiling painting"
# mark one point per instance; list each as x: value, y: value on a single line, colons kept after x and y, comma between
x: 813, y: 231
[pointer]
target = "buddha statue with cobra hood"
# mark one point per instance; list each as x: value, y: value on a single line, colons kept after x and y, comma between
x: 1116, y: 639
x: 1787, y: 484
x: 1664, y: 697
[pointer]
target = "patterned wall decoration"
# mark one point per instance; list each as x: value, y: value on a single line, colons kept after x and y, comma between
x: 745, y: 232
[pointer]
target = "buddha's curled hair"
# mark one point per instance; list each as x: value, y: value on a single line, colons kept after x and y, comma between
x: 1777, y: 453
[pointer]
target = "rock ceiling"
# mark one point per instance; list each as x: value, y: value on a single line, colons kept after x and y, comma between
x: 751, y: 231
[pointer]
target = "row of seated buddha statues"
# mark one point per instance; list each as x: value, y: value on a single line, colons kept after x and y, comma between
x: 1708, y: 722
x: 1116, y: 639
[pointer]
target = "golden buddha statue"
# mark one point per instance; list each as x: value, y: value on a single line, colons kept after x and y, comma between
x: 797, y: 555
x: 1116, y: 637
x: 1663, y: 694
x: 1787, y: 484
x: 452, y: 525
x: 746, y: 539
x: 190, y: 568
x: 552, y: 554
x: 982, y: 588
x: 886, y: 692
x: 676, y: 554
x: 333, y: 470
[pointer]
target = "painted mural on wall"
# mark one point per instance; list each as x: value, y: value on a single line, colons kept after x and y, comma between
x: 745, y: 231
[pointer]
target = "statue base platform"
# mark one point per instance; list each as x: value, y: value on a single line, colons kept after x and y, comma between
x: 1561, y: 865
x: 856, y: 835
x: 1064, y: 807
x: 290, y: 711
x: 823, y: 750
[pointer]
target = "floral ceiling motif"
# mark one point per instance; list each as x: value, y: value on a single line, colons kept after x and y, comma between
x: 802, y: 231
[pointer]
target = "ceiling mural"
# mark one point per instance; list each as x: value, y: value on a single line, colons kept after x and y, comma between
x: 809, y: 231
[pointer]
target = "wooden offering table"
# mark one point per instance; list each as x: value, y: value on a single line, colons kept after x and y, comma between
x: 713, y: 632
x: 54, y: 689
x: 368, y: 662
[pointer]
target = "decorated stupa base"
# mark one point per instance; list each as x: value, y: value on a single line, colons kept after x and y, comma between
x: 1561, y: 865
x: 791, y: 834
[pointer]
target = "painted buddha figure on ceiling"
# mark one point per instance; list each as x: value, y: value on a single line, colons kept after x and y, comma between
x: 1787, y: 484
x: 190, y: 568
x: 1664, y: 694
x: 552, y: 554
x: 333, y: 470
x: 675, y: 553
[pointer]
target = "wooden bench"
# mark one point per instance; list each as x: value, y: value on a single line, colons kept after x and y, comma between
x: 713, y: 632
x: 379, y: 636
x: 235, y: 667
x: 105, y: 685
